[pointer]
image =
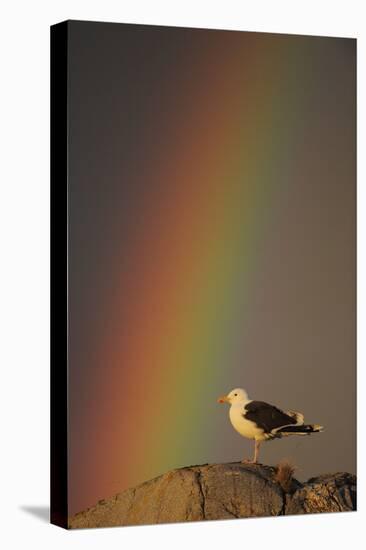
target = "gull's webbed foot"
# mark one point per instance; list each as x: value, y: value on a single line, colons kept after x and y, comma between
x: 248, y: 461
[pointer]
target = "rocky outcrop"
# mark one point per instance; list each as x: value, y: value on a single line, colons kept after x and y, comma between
x: 220, y: 491
x: 326, y: 493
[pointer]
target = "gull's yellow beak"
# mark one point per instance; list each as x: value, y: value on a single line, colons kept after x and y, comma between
x: 223, y: 399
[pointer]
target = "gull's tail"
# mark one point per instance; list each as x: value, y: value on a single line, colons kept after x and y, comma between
x: 304, y: 429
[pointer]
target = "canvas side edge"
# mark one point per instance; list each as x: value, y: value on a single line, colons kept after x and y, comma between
x: 59, y: 266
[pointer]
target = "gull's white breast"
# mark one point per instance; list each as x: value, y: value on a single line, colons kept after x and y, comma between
x: 245, y: 427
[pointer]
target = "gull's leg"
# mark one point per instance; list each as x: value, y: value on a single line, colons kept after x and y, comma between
x: 256, y: 451
x: 256, y: 454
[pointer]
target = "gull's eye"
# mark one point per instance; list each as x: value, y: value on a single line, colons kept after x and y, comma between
x: 235, y: 394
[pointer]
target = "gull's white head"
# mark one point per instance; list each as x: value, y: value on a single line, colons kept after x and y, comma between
x: 235, y: 396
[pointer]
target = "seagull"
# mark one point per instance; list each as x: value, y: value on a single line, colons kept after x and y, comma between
x: 260, y: 421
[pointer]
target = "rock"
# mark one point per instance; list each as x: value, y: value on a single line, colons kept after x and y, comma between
x: 326, y: 493
x: 219, y: 491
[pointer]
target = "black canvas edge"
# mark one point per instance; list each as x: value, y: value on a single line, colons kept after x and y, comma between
x: 192, y: 27
x: 59, y: 279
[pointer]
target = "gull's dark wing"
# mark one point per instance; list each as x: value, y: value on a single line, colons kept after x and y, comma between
x: 266, y: 416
